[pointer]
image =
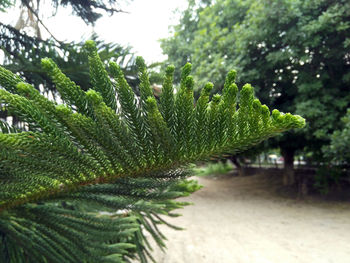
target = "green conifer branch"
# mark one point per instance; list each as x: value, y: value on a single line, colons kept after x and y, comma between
x: 8, y: 80
x: 111, y: 150
x: 215, y: 127
x: 201, y: 117
x: 167, y: 97
x: 99, y: 76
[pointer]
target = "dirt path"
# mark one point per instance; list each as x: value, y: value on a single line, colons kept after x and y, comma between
x: 239, y: 219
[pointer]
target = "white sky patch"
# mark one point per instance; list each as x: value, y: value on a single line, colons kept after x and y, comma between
x: 141, y: 28
x: 147, y: 22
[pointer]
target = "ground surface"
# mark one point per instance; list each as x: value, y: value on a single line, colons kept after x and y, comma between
x: 240, y: 219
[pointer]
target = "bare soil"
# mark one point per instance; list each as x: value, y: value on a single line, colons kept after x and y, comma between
x: 253, y: 220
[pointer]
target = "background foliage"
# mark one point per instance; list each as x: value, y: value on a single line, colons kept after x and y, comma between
x: 295, y: 52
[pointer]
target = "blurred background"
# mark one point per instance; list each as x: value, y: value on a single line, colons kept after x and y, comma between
x: 287, y: 199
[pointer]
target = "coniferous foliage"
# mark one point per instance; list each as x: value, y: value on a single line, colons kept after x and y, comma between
x: 4, y: 4
x: 106, y: 149
x: 23, y: 55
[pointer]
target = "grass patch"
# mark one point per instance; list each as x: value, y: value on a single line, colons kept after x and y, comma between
x: 213, y: 169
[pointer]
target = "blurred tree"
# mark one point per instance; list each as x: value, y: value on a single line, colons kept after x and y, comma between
x: 4, y: 4
x: 22, y: 44
x: 338, y: 150
x: 337, y: 153
x: 296, y: 54
x: 88, y: 10
x: 23, y: 55
x: 23, y: 47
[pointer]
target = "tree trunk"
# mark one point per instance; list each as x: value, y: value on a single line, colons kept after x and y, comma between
x: 303, y: 186
x: 239, y: 167
x: 288, y: 174
x: 3, y: 114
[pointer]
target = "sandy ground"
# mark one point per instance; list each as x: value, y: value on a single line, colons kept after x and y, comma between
x: 244, y: 219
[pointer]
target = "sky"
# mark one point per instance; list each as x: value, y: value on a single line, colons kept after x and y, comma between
x: 146, y: 22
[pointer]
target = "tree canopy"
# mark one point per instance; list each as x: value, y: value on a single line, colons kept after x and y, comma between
x: 338, y: 150
x: 89, y: 10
